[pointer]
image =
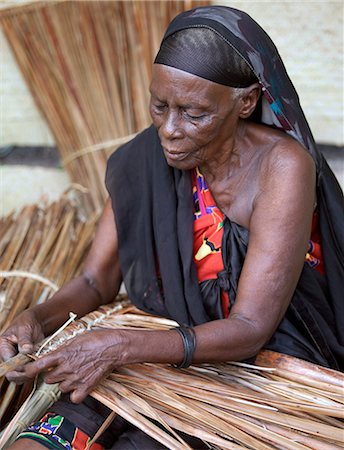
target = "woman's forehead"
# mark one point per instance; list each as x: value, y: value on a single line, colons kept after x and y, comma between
x: 171, y: 81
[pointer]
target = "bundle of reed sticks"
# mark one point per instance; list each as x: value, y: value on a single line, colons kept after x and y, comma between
x: 88, y: 66
x: 279, y: 403
x: 41, y: 247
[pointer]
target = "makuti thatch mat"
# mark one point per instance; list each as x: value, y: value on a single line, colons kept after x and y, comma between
x: 279, y: 403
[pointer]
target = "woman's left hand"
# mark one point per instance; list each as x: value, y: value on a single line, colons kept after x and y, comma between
x: 81, y: 363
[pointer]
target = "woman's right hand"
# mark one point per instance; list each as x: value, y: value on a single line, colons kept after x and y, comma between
x: 20, y: 337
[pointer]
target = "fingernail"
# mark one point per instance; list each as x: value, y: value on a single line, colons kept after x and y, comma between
x: 25, y: 348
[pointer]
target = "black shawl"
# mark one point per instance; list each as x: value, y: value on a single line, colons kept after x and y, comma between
x: 153, y: 209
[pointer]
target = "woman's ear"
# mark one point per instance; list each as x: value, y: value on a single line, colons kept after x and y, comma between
x: 249, y: 100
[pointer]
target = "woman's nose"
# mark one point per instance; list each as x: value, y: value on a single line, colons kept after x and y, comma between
x: 171, y: 127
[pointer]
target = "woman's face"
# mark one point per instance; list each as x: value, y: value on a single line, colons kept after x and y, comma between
x: 196, y: 119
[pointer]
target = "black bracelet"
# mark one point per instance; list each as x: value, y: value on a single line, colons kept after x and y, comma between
x: 189, y: 342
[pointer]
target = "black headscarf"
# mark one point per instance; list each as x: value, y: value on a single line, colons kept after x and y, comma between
x: 153, y: 209
x: 205, y: 53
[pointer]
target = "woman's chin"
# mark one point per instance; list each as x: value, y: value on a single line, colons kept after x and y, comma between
x: 182, y: 161
x: 183, y: 164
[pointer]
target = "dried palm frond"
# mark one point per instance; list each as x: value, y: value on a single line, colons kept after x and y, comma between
x: 228, y: 405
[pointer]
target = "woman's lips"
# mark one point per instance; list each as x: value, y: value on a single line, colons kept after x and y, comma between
x: 175, y: 155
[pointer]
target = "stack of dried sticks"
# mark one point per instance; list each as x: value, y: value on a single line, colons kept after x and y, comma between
x: 41, y: 247
x: 279, y: 403
x: 88, y: 66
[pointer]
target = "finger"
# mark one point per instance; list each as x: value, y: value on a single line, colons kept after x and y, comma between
x: 25, y: 344
x: 42, y: 364
x: 78, y: 396
x: 17, y: 377
x: 65, y: 387
x: 25, y: 347
x: 19, y: 369
x: 6, y: 353
x: 56, y: 376
x: 7, y: 350
x: 36, y: 367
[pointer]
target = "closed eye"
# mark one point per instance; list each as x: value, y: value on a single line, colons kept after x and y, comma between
x: 159, y: 106
x: 194, y: 117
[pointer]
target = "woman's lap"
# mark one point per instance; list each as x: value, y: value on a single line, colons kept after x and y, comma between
x: 87, y: 418
x: 65, y: 423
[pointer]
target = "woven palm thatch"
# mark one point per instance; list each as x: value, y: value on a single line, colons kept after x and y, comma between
x: 88, y: 66
x: 279, y: 403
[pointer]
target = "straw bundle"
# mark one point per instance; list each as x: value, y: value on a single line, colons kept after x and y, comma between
x: 229, y: 406
x: 88, y: 66
x: 41, y: 248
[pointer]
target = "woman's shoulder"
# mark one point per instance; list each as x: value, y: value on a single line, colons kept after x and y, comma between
x: 286, y: 173
x: 281, y: 154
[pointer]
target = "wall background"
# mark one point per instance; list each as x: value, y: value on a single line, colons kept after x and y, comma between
x: 308, y: 34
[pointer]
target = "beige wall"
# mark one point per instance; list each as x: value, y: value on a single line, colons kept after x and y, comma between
x: 309, y: 36
x: 22, y: 185
x: 20, y: 121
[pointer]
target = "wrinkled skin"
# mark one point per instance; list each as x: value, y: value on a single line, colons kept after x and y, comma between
x: 80, y: 364
x: 20, y: 337
x: 196, y: 121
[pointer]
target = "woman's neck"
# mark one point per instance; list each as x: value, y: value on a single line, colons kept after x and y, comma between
x: 229, y: 157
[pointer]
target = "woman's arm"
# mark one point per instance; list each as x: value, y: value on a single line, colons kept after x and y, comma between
x: 280, y: 229
x: 98, y: 283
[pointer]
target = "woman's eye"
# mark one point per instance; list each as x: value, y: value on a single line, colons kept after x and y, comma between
x: 160, y: 107
x: 194, y: 117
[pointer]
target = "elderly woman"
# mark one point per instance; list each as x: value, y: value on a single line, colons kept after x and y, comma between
x: 220, y: 216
